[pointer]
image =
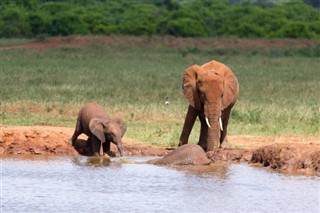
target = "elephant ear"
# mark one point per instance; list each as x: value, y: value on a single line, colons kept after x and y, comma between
x: 189, y: 86
x: 122, y: 125
x: 231, y: 88
x: 96, y: 128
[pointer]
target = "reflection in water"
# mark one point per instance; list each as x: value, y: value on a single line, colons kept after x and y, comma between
x: 85, y: 184
x: 219, y: 170
x: 96, y: 161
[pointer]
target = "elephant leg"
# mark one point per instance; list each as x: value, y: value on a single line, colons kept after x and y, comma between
x: 225, y: 120
x: 188, y: 125
x: 96, y: 143
x: 203, y: 138
x: 77, y: 132
x: 74, y: 138
x: 106, y: 147
x: 223, y: 138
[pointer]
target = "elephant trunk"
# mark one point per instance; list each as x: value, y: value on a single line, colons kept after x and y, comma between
x: 121, y: 151
x: 214, y: 135
x: 214, y: 122
x: 119, y: 146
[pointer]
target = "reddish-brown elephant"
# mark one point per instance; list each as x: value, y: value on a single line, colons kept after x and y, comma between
x: 211, y: 90
x: 100, y: 128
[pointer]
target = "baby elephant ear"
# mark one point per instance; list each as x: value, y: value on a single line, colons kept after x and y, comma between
x: 122, y: 125
x: 96, y: 128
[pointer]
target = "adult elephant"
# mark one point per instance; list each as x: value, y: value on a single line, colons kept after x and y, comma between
x: 100, y: 128
x: 188, y: 154
x: 211, y: 90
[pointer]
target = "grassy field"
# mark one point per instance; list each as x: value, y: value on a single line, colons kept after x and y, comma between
x: 279, y: 95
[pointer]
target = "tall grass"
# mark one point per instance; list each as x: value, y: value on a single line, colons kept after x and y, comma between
x: 278, y: 96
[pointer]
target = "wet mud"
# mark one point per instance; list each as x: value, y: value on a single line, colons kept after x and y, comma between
x: 288, y: 155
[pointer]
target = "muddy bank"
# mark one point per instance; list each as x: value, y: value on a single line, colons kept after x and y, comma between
x: 292, y: 155
x: 295, y: 159
x: 47, y: 140
x: 289, y: 158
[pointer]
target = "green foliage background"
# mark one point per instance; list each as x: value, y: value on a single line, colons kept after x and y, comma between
x: 185, y: 18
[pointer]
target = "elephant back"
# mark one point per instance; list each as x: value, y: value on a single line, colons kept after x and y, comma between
x: 188, y: 154
x: 88, y: 112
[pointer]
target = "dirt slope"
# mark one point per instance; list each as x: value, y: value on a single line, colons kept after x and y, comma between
x: 48, y: 140
x: 294, y: 155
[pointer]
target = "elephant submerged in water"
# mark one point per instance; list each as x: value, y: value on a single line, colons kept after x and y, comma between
x: 100, y: 128
x: 211, y: 90
x: 188, y: 154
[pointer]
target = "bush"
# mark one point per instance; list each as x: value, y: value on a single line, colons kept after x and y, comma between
x: 67, y: 24
x: 138, y: 20
x: 53, y: 8
x: 192, y: 18
x: 37, y: 23
x: 314, y: 28
x: 294, y: 30
x: 186, y: 27
x: 248, y: 30
x: 13, y: 23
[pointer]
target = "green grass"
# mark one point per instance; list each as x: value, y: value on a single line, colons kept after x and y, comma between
x: 278, y: 95
x: 13, y: 41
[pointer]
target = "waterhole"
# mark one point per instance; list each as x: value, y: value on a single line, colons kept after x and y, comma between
x: 82, y: 184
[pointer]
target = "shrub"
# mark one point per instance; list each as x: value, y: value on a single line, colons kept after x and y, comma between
x: 67, y: 24
x: 53, y: 8
x: 192, y: 18
x: 294, y: 30
x: 249, y: 30
x: 37, y: 23
x: 186, y: 27
x: 186, y: 21
x: 14, y: 23
x: 138, y: 20
x: 314, y: 28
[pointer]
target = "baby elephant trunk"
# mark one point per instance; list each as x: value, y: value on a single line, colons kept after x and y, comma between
x: 120, y: 149
x: 118, y: 142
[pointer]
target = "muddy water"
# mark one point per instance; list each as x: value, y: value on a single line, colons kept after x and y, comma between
x: 86, y: 185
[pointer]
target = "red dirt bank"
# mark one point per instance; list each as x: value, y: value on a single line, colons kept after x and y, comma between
x: 215, y: 43
x: 294, y: 155
x: 47, y: 140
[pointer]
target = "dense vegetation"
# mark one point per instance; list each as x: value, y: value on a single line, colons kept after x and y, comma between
x: 188, y: 18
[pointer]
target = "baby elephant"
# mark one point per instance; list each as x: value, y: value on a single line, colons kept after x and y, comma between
x: 100, y: 128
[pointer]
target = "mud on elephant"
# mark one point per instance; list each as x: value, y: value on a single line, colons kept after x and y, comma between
x: 211, y: 90
x: 100, y: 128
x: 188, y: 154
